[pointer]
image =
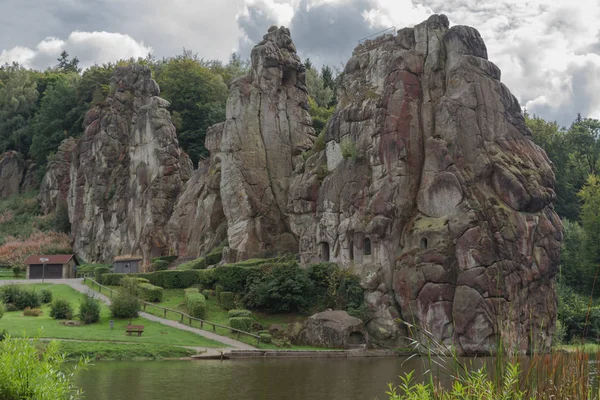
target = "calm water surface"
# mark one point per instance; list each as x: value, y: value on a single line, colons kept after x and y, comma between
x: 294, y: 379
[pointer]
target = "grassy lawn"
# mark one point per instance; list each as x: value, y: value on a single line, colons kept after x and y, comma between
x: 122, y: 351
x: 45, y: 327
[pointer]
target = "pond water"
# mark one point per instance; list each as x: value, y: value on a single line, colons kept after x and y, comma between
x: 293, y: 379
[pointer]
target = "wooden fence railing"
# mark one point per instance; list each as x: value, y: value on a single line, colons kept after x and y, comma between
x: 183, y: 316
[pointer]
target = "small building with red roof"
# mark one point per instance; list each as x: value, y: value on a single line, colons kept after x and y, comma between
x: 55, y: 266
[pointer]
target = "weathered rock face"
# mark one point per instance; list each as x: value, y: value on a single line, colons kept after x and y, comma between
x: 444, y: 207
x: 126, y: 172
x: 16, y: 175
x: 334, y: 329
x: 267, y: 128
x: 198, y: 223
x: 55, y: 185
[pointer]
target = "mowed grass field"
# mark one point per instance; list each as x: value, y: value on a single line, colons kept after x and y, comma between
x: 44, y: 326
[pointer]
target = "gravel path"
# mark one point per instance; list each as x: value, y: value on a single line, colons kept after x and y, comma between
x: 78, y: 285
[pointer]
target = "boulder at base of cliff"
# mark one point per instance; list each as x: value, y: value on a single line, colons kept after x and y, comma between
x: 336, y: 330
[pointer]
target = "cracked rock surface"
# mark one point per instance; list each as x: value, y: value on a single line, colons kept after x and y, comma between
x: 445, y: 209
x: 126, y: 172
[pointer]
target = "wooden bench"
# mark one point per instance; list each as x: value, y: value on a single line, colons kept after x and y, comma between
x: 135, y: 329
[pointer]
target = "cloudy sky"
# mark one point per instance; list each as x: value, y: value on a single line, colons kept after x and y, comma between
x: 548, y: 50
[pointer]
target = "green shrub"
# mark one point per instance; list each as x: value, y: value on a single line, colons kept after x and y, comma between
x: 112, y: 279
x: 240, y: 313
x: 89, y: 310
x: 199, y: 263
x: 348, y: 148
x: 215, y: 256
x: 98, y: 272
x: 32, y: 312
x: 10, y: 293
x: 27, y: 298
x: 195, y: 303
x: 227, y: 300
x: 234, y: 278
x: 160, y: 265
x: 241, y: 323
x: 208, y: 293
x: 46, y: 295
x: 17, y: 271
x: 125, y: 305
x: 218, y: 290
x: 61, y: 309
x: 265, y: 338
x: 2, y: 309
x: 27, y: 374
x: 150, y: 292
x: 282, y: 287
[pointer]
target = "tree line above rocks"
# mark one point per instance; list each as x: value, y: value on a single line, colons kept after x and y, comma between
x: 40, y: 109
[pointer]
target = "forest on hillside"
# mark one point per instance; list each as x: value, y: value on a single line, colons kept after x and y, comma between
x: 39, y: 109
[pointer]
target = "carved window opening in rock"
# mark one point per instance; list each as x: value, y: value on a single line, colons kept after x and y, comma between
x: 351, y: 252
x: 356, y: 338
x: 289, y: 77
x: 325, y: 251
x: 424, y: 243
x: 367, y: 246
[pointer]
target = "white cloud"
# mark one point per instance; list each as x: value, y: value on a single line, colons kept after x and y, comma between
x: 548, y: 51
x: 89, y: 47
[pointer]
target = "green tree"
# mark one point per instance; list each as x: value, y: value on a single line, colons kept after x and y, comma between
x: 329, y: 82
x: 18, y: 95
x: 570, y: 177
x: 572, y: 259
x: 65, y: 64
x: 316, y: 88
x: 94, y: 84
x: 590, y: 222
x: 60, y: 116
x: 197, y: 96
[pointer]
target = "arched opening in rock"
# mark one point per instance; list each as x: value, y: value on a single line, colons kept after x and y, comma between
x: 289, y: 77
x: 325, y: 251
x: 424, y: 243
x: 351, y: 252
x: 356, y: 338
x: 367, y: 246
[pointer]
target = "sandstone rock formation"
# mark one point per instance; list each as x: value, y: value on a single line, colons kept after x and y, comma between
x: 241, y: 192
x: 267, y: 128
x: 126, y: 172
x: 335, y: 330
x: 442, y: 202
x: 55, y: 185
x: 198, y: 223
x: 16, y: 175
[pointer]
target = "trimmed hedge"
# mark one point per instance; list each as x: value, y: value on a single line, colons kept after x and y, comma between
x: 113, y: 279
x: 218, y: 290
x: 195, y: 303
x: 215, y: 256
x: 227, y: 300
x: 240, y: 313
x: 160, y: 265
x: 168, y: 259
x: 150, y: 292
x: 99, y: 272
x: 174, y: 279
x: 199, y: 263
x: 265, y: 338
x: 241, y: 323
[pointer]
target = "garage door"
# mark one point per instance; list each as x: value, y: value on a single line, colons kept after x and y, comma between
x: 51, y: 271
